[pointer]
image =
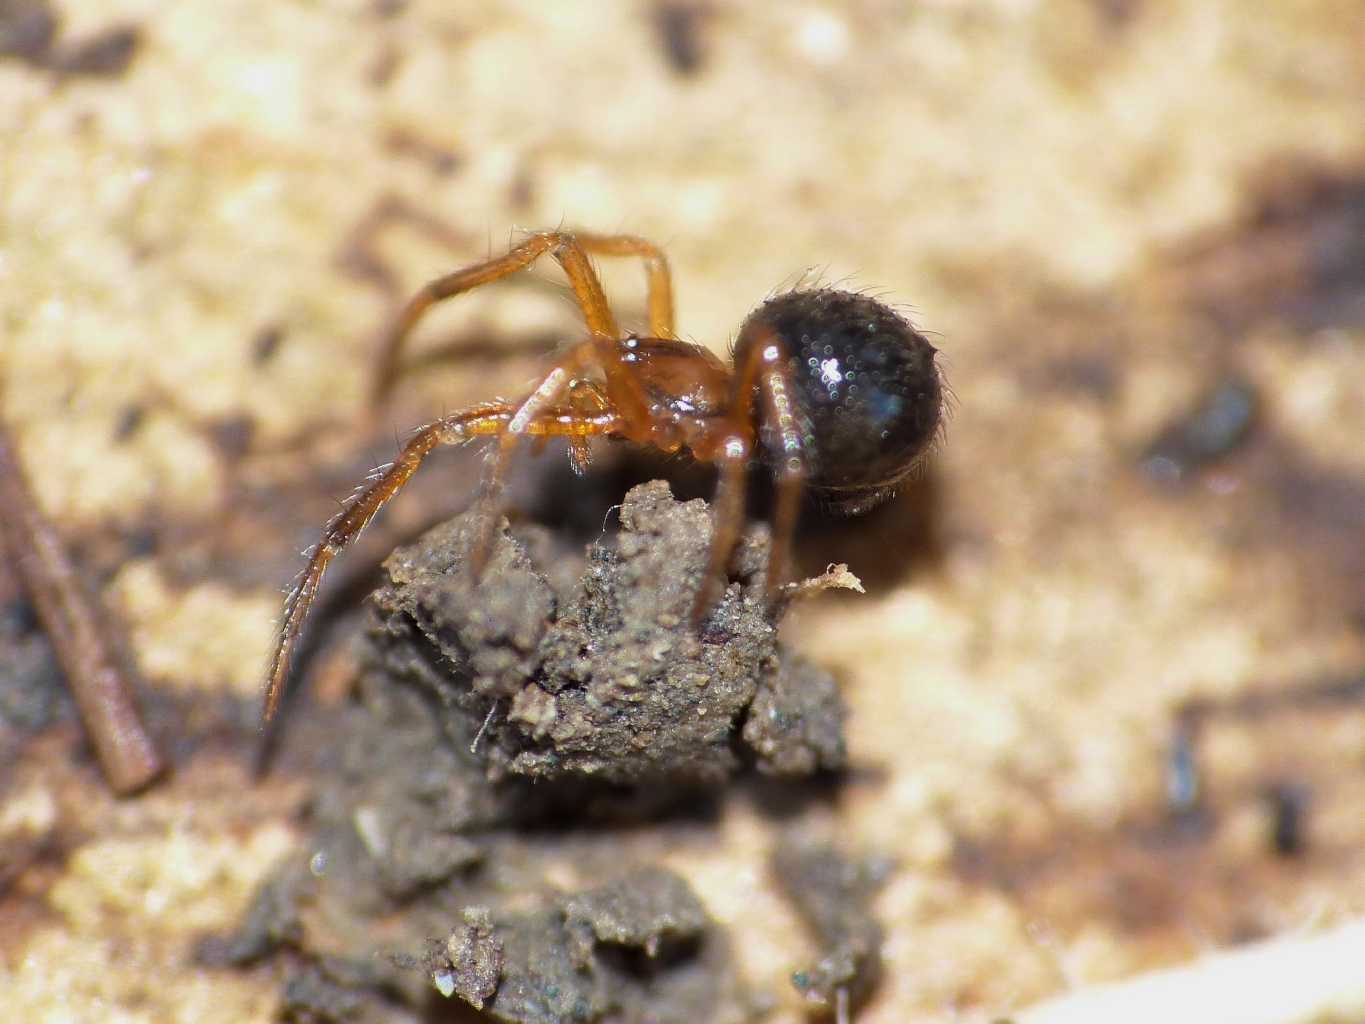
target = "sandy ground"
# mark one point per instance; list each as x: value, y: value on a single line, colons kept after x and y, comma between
x: 1099, y: 210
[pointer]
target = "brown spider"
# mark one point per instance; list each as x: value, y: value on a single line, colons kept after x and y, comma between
x: 834, y: 390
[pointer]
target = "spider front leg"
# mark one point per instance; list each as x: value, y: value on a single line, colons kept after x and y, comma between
x: 530, y: 412
x: 493, y: 418
x: 659, y: 281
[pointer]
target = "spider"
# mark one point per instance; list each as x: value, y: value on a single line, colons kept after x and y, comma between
x: 834, y: 390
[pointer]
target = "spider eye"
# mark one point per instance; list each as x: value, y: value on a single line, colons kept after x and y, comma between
x: 869, y: 395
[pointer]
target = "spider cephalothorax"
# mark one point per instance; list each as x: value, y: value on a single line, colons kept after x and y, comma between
x: 834, y: 390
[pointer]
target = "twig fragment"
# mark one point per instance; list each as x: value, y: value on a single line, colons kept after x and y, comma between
x: 835, y: 577
x: 84, y: 649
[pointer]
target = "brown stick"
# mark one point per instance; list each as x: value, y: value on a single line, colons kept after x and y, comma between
x: 103, y: 695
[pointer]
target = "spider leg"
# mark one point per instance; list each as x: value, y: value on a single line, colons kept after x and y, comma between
x: 728, y: 512
x: 571, y: 251
x: 659, y: 280
x: 732, y: 448
x: 761, y: 371
x: 495, y: 469
x: 561, y: 245
x: 790, y: 464
x: 494, y: 418
x: 631, y: 417
x: 584, y: 397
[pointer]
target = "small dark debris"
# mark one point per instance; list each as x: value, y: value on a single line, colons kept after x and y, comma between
x: 1090, y: 376
x: 265, y: 343
x: 439, y: 160
x: 1182, y: 767
x: 1118, y: 14
x: 1189, y: 818
x: 32, y: 696
x: 107, y: 54
x: 140, y: 541
x: 129, y: 421
x: 32, y: 692
x: 680, y: 26
x: 388, y: 58
x: 17, y: 617
x: 1221, y: 420
x: 232, y: 435
x: 1288, y: 804
x: 522, y: 191
x: 833, y: 895
x: 27, y: 30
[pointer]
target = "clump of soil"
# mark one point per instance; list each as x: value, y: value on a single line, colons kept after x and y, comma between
x: 606, y: 679
x: 833, y: 894
x: 479, y: 823
x: 639, y: 948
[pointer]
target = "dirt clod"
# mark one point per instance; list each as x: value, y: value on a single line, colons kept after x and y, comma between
x: 476, y: 959
x: 833, y: 895
x: 650, y: 910
x: 640, y: 948
x: 609, y: 682
x: 795, y: 722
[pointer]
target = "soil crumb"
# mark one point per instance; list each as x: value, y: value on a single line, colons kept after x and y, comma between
x: 833, y: 895
x: 519, y: 745
x: 681, y: 32
x: 1220, y: 422
x: 640, y: 948
x: 32, y: 696
x: 27, y: 29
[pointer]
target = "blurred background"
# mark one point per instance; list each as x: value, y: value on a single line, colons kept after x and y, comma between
x: 1108, y: 681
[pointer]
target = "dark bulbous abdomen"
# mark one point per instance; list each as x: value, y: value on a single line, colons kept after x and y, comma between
x: 869, y: 399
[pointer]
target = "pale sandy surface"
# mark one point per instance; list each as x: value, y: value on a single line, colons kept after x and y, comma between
x: 1022, y: 175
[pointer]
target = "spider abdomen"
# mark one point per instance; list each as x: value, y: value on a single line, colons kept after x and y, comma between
x: 868, y: 396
